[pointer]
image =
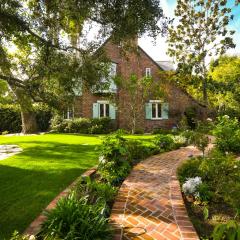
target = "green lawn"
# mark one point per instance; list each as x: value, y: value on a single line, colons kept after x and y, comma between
x: 47, y: 165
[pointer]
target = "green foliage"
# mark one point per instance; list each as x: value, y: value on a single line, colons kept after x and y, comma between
x: 189, y: 169
x: 220, y: 173
x: 138, y: 151
x: 74, y: 218
x: 227, y: 231
x: 95, y: 191
x: 101, y: 125
x: 224, y: 73
x: 17, y: 236
x: 10, y: 119
x: 227, y: 132
x: 164, y: 142
x: 114, y: 163
x: 81, y: 125
x: 200, y: 33
x: 201, y: 141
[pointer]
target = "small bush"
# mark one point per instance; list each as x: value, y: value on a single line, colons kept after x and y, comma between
x: 10, y: 118
x: 94, y: 191
x: 228, y: 231
x: 227, y: 132
x: 78, y: 125
x: 81, y: 125
x: 114, y: 164
x: 74, y: 218
x: 189, y: 169
x: 138, y: 151
x: 164, y: 142
x: 101, y: 126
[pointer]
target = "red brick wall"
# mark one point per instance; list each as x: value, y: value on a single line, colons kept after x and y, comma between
x: 135, y: 63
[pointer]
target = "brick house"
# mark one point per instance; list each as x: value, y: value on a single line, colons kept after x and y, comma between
x: 156, y: 112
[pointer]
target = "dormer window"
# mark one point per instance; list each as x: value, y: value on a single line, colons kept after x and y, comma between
x: 148, y: 72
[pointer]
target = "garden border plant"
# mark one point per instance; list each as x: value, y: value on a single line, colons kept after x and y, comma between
x: 217, y: 191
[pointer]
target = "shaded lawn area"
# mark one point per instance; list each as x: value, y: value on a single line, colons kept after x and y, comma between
x: 47, y: 165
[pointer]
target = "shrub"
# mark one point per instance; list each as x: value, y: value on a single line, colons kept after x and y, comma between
x: 43, y: 117
x: 138, y: 151
x: 78, y: 125
x: 228, y: 231
x: 17, y: 236
x: 81, y: 125
x: 201, y: 141
x: 164, y: 142
x: 227, y: 132
x: 10, y: 118
x: 58, y: 124
x: 74, y: 218
x: 94, y: 191
x: 114, y: 163
x: 179, y: 141
x: 222, y: 173
x: 101, y: 126
x: 189, y: 169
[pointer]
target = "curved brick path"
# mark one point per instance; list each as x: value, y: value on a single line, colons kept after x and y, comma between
x: 149, y: 204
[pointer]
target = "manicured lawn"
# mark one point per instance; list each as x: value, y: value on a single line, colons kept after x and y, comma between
x: 48, y: 164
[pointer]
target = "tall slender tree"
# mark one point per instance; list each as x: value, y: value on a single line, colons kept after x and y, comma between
x: 199, y: 33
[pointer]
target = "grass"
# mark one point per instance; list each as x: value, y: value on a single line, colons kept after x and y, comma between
x: 47, y: 165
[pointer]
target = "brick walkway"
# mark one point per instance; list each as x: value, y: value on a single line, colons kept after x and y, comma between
x: 149, y: 204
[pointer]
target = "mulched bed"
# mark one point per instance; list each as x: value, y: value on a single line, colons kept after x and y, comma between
x: 218, y: 213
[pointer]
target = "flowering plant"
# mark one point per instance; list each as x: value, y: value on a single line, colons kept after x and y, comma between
x: 190, y: 187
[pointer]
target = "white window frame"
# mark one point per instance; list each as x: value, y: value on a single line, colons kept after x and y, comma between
x: 148, y: 72
x: 104, y: 108
x: 156, y: 103
x: 68, y: 113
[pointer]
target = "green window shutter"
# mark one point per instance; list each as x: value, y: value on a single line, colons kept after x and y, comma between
x: 165, y: 110
x: 112, y: 111
x: 148, y: 110
x: 95, y: 110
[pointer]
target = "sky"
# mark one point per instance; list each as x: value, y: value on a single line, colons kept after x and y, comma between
x: 158, y: 49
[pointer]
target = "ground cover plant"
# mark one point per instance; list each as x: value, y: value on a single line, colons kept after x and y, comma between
x: 47, y: 165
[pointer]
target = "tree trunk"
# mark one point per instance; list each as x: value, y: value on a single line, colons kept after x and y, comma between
x: 29, y: 123
x: 205, y: 95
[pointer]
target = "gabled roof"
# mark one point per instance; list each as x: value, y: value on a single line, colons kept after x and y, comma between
x: 166, y: 65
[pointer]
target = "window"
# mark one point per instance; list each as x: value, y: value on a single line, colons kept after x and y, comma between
x: 103, y: 109
x: 156, y: 110
x: 69, y: 114
x: 148, y: 72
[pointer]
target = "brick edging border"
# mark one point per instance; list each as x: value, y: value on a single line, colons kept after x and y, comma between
x: 35, y: 226
x: 185, y: 226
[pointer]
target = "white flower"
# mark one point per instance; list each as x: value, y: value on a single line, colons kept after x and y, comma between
x: 235, y: 166
x: 102, y: 159
x: 191, y: 185
x: 32, y: 237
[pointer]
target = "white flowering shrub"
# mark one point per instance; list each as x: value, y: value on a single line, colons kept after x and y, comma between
x: 190, y: 187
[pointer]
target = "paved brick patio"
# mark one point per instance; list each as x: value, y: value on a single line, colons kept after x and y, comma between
x: 150, y: 205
